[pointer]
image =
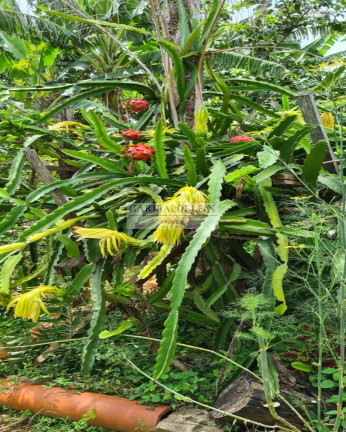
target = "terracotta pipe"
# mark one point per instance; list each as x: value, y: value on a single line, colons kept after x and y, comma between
x: 112, y: 412
x: 3, y: 355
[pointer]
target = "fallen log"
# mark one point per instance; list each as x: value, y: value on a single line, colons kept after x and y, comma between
x: 245, y: 398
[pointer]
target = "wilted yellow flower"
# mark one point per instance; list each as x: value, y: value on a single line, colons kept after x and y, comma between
x: 167, y: 131
x: 201, y: 118
x: 169, y: 233
x: 68, y: 126
x: 30, y: 304
x: 12, y: 247
x: 114, y: 241
x: 327, y: 119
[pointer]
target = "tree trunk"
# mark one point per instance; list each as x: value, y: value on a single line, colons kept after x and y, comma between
x: 171, y: 17
x: 65, y: 115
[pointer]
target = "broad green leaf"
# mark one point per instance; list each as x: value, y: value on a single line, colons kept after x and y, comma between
x: 38, y: 193
x: 248, y: 102
x: 269, y: 257
x: 16, y: 172
x: 295, y: 232
x: 287, y: 148
x: 328, y: 384
x: 34, y: 274
x: 72, y: 100
x: 331, y: 182
x: 101, y: 133
x: 182, y: 22
x: 278, y: 276
x: 70, y: 245
x: 251, y: 84
x: 80, y: 280
x: 97, y: 22
x: 97, y: 322
x: 201, y: 305
x: 211, y: 17
x: 201, y: 162
x: 156, y: 261
x: 162, y: 291
x: 160, y: 155
x: 250, y: 228
x: 168, y: 344
x: 53, y: 260
x: 313, y: 163
x: 285, y: 103
x: 190, y: 135
x: 124, y: 325
x: 215, y: 296
x: 263, y: 175
x: 104, y: 163
x: 283, y: 126
x: 11, y: 218
x: 236, y: 271
x: 107, y: 85
x: 273, y: 214
x: 278, y: 291
x: 172, y: 51
x: 302, y: 366
x: 6, y: 273
x: 190, y: 165
x: 192, y: 37
x: 239, y: 173
x: 267, y: 157
x: 215, y: 182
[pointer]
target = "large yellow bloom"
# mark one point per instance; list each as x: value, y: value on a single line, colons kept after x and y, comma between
x: 114, y: 241
x: 176, y: 212
x: 30, y: 304
x: 194, y: 200
x: 327, y: 119
x: 68, y: 126
x: 168, y: 233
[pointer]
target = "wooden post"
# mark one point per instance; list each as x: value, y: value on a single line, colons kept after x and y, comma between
x: 312, y: 117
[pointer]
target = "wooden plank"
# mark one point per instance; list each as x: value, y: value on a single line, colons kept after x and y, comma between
x: 307, y: 105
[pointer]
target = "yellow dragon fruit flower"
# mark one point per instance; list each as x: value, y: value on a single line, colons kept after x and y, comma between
x: 113, y: 241
x: 30, y: 304
x: 169, y: 233
x: 68, y: 126
x: 176, y: 212
x: 327, y: 119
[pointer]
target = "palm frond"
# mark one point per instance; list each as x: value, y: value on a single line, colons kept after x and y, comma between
x: 321, y: 30
x: 40, y: 29
x: 340, y: 54
x: 256, y: 66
